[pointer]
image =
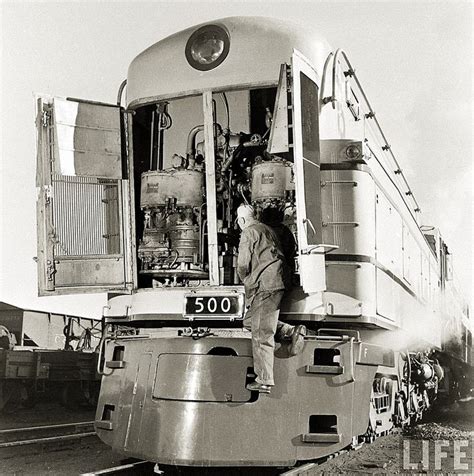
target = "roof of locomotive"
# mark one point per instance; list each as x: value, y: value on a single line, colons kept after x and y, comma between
x: 258, y: 45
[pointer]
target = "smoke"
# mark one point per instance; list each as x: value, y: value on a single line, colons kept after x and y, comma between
x: 419, y: 331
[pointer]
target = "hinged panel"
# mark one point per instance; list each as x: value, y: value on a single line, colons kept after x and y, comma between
x: 279, y: 141
x: 83, y: 232
x: 305, y: 100
x: 305, y: 91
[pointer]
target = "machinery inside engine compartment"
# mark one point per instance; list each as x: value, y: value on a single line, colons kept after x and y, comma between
x: 170, y: 183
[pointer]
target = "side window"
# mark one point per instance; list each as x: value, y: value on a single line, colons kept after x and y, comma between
x: 311, y: 157
x: 306, y: 153
x: 310, y: 119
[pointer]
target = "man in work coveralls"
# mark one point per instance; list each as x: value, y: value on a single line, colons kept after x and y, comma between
x: 262, y: 268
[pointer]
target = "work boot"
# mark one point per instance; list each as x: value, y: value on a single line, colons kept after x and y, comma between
x: 284, y: 333
x: 259, y: 387
x: 297, y: 340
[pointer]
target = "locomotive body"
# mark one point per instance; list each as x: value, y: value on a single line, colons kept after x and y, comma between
x: 141, y: 201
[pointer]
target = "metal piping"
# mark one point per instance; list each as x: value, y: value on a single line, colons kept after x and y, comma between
x: 201, y: 235
x: 191, y: 137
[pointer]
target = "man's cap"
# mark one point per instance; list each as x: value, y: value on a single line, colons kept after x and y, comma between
x: 245, y: 211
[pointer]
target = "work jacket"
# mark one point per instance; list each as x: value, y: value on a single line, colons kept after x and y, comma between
x: 261, y: 264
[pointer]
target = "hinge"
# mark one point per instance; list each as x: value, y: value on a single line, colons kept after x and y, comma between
x: 46, y: 117
x: 50, y: 270
x: 54, y: 238
x: 289, y: 78
x: 48, y: 194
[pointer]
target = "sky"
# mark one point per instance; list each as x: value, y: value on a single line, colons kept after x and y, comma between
x: 414, y: 60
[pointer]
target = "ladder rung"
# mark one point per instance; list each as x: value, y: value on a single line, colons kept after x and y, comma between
x: 321, y: 437
x: 324, y: 369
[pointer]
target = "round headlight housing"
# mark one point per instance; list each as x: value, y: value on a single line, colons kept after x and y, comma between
x: 207, y: 47
x: 353, y: 152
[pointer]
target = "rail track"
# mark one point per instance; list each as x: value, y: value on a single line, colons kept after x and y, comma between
x: 46, y: 434
x: 136, y: 468
x: 145, y: 468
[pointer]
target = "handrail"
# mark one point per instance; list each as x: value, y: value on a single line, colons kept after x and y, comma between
x: 120, y: 92
x: 323, y: 80
x: 370, y: 115
x: 100, y: 369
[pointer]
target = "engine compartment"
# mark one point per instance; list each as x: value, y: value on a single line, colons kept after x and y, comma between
x: 170, y: 183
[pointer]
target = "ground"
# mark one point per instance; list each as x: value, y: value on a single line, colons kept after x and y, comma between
x: 453, y: 423
x: 385, y: 456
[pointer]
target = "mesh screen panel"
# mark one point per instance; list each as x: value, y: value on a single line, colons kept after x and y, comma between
x: 86, y: 216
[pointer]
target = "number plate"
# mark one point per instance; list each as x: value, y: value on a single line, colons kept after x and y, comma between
x: 199, y: 306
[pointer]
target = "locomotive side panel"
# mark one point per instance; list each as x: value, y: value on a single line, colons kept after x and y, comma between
x: 407, y: 284
x: 348, y: 209
x: 348, y: 204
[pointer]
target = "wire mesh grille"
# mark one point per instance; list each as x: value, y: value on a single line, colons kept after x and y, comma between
x: 86, y: 216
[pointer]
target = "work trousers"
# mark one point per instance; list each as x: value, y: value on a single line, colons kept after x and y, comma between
x: 262, y: 319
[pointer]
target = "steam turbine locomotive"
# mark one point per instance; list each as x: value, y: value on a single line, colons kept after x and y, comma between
x: 139, y: 199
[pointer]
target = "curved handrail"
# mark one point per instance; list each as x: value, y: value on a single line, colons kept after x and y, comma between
x: 370, y: 115
x: 120, y: 92
x: 323, y: 80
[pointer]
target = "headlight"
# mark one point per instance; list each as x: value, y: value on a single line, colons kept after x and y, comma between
x: 207, y: 47
x: 353, y: 152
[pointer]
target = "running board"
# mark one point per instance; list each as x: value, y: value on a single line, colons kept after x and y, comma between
x: 104, y: 425
x: 324, y: 369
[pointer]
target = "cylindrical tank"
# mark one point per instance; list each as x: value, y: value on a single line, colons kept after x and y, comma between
x: 271, y: 179
x: 184, y: 235
x: 186, y: 186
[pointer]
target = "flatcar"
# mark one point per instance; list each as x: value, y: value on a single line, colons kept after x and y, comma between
x: 50, y: 362
x: 139, y: 199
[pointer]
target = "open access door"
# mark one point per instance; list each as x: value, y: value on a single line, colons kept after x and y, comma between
x: 84, y: 202
x: 305, y: 98
x: 306, y: 156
